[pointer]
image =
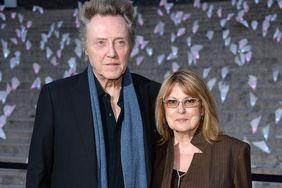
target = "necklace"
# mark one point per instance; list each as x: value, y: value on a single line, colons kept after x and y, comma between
x: 179, y: 178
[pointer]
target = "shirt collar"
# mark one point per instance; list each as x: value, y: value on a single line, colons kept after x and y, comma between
x: 101, y: 91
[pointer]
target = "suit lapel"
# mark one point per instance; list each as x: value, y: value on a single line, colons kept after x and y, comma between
x: 82, y: 107
x: 143, y: 101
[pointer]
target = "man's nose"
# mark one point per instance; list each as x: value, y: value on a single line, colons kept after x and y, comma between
x: 111, y: 51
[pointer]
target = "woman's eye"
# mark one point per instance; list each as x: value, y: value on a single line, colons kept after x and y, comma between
x: 172, y: 101
x: 190, y: 101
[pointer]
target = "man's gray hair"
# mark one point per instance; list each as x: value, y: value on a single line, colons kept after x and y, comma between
x: 91, y: 8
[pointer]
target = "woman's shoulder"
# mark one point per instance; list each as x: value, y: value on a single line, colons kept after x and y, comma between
x: 231, y: 142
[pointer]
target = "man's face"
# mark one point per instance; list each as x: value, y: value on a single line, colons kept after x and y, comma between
x: 107, y: 46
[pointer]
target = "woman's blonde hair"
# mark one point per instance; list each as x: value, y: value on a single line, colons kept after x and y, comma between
x: 194, y: 86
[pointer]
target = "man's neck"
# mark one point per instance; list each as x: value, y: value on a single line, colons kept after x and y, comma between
x: 110, y: 85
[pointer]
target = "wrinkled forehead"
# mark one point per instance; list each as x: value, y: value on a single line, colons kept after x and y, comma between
x: 108, y: 20
x: 113, y: 26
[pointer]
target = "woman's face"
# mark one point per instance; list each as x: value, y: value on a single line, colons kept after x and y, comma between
x: 182, y: 119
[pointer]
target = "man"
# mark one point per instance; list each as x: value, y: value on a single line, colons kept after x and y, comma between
x: 96, y: 129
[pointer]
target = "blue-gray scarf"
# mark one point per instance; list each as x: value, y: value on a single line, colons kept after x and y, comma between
x: 132, y: 139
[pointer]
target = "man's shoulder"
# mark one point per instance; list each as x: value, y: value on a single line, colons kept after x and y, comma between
x: 65, y: 82
x: 141, y: 80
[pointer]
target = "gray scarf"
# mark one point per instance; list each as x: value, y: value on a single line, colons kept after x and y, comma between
x: 132, y: 138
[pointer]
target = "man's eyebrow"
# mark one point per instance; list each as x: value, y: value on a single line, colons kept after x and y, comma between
x: 118, y: 38
x: 121, y: 38
x: 101, y: 38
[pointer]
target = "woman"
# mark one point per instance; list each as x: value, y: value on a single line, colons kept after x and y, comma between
x: 192, y: 152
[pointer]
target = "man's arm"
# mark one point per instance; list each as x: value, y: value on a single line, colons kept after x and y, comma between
x: 41, y: 147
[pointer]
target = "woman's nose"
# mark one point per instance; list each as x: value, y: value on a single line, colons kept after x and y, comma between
x: 180, y: 108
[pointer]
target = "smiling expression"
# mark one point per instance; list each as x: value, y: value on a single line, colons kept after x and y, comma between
x: 180, y: 119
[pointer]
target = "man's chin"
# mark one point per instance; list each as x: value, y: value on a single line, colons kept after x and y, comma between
x: 111, y: 77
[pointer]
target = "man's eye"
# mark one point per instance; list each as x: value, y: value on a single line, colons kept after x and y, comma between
x: 120, y: 43
x: 100, y: 43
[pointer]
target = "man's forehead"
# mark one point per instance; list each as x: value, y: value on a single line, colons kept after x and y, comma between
x: 108, y: 25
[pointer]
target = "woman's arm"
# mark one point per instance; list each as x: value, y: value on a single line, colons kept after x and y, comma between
x: 242, y: 177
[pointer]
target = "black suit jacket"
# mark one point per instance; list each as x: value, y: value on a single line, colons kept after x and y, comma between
x: 62, y: 151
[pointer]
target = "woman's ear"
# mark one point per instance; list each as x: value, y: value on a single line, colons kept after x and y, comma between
x: 202, y: 110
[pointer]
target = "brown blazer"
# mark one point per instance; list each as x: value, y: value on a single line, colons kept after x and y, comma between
x: 223, y: 164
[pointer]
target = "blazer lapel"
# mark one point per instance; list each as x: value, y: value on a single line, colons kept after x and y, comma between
x: 82, y: 107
